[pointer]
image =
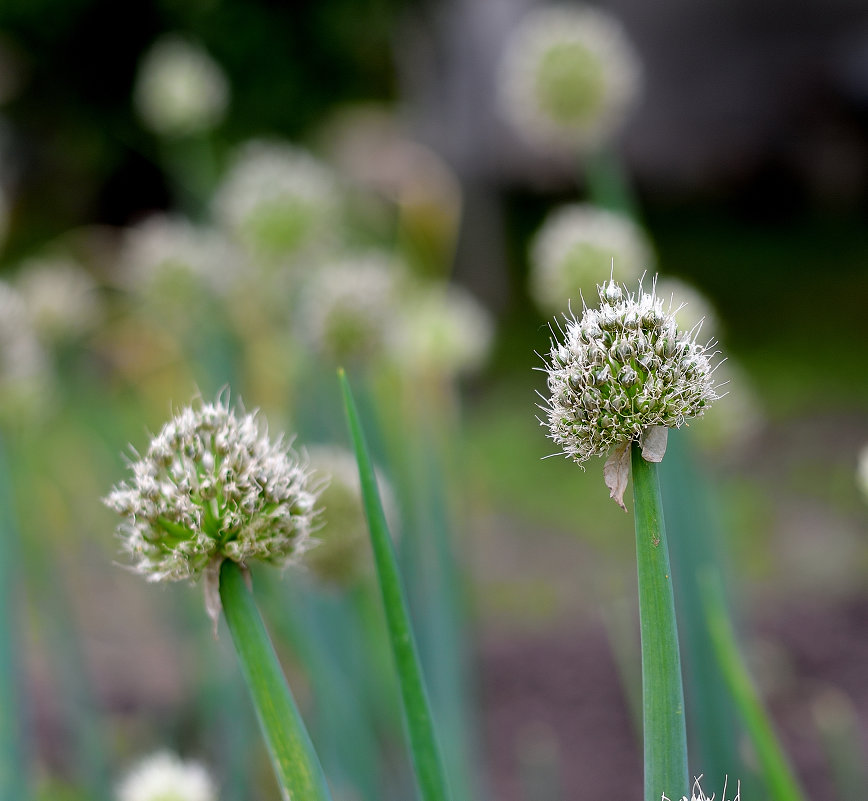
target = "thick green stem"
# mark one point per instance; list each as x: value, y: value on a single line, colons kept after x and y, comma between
x: 292, y: 754
x: 427, y: 759
x: 665, y: 734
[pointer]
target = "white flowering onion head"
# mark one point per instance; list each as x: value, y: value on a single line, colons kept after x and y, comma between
x: 697, y: 794
x: 622, y: 370
x: 342, y: 553
x: 180, y: 90
x: 165, y: 777
x: 61, y: 298
x: 443, y: 330
x: 578, y: 247
x: 347, y: 308
x: 213, y: 486
x: 568, y: 77
x: 276, y: 198
x: 862, y: 471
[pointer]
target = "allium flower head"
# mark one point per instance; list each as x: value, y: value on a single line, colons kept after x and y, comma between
x: 61, y: 298
x: 169, y: 258
x: 342, y: 552
x: 180, y: 90
x: 164, y: 777
x: 210, y: 486
x: 568, y: 77
x: 23, y: 364
x: 444, y: 329
x: 862, y: 471
x: 347, y: 308
x: 689, y: 304
x: 276, y: 198
x: 621, y: 370
x: 576, y: 248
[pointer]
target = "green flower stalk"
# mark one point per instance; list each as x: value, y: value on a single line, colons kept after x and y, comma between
x: 622, y: 377
x: 212, y: 493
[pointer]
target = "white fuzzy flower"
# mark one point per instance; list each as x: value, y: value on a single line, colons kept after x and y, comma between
x: 212, y: 486
x: 165, y: 777
x: 23, y: 363
x: 568, y: 77
x: 276, y: 198
x: 443, y: 329
x: 180, y: 90
x: 347, y: 309
x: 342, y: 552
x: 578, y: 247
x: 697, y: 794
x: 622, y: 370
x: 862, y: 471
x: 168, y: 257
x: 61, y: 298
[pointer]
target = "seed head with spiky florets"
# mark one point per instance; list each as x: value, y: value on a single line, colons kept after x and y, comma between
x: 622, y: 370
x: 213, y: 486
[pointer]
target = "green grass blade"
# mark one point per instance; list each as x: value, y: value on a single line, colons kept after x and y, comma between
x: 776, y: 771
x: 295, y: 762
x: 664, y: 728
x: 427, y: 759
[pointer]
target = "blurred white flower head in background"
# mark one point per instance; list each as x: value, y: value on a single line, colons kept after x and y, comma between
x: 24, y: 372
x: 347, y: 310
x: 443, y: 330
x: 580, y: 246
x: 862, y: 471
x: 342, y: 552
x: 568, y: 77
x: 180, y: 90
x: 689, y: 305
x: 165, y: 777
x: 276, y: 198
x: 62, y: 299
x: 167, y: 255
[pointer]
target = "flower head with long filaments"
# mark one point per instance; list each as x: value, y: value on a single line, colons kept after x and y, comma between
x: 213, y: 486
x: 621, y: 370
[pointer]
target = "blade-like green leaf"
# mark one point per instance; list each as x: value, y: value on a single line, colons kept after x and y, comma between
x: 427, y: 760
x: 292, y: 754
x: 665, y: 733
x: 776, y: 771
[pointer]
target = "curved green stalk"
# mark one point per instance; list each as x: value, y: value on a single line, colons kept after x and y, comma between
x: 665, y: 733
x: 774, y: 766
x: 295, y: 762
x: 427, y: 760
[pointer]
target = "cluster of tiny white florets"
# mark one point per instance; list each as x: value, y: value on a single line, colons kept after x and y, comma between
x: 568, y: 77
x: 621, y: 369
x: 166, y: 255
x: 23, y: 362
x: 212, y: 486
x: 180, y: 90
x: 342, y: 552
x: 578, y: 246
x: 276, y: 197
x: 862, y: 471
x: 347, y: 308
x: 61, y: 298
x: 697, y: 794
x: 165, y: 777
